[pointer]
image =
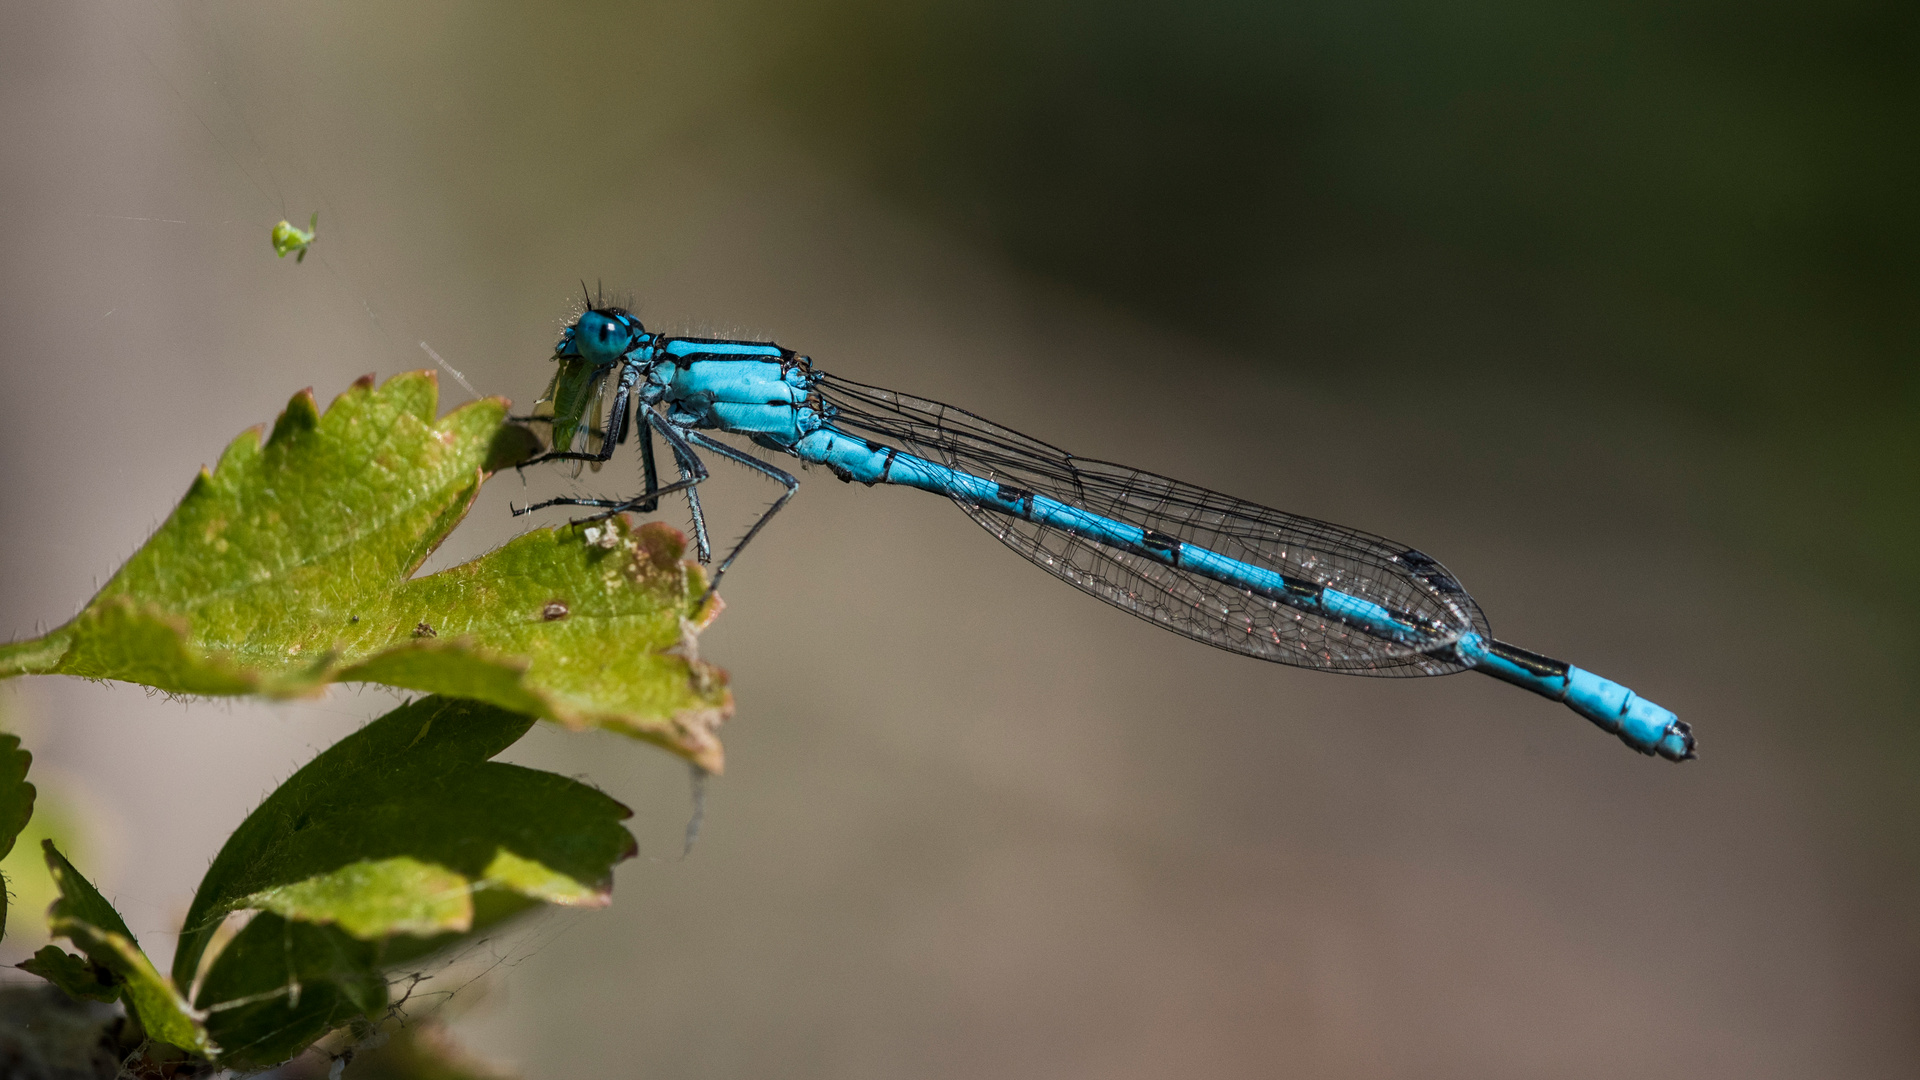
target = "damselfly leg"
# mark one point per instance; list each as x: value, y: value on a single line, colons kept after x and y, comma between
x: 690, y: 463
x: 778, y: 476
x: 693, y: 472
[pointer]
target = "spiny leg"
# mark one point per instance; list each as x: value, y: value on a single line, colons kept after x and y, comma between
x: 693, y: 472
x: 676, y: 439
x: 702, y: 548
x: 779, y: 476
x: 652, y: 503
x: 649, y: 500
x: 612, y: 506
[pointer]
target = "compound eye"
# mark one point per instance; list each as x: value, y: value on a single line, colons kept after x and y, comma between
x: 601, y: 336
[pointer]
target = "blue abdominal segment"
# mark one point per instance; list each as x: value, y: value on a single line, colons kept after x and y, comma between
x: 1638, y: 722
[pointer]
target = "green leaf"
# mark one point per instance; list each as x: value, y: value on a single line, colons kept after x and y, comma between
x: 77, y: 975
x: 404, y: 835
x: 16, y: 795
x: 289, y: 566
x: 373, y: 898
x: 279, y: 985
x: 399, y: 840
x: 16, y: 806
x: 83, y: 916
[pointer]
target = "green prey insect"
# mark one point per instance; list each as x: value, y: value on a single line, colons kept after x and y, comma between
x: 289, y: 237
x: 574, y: 403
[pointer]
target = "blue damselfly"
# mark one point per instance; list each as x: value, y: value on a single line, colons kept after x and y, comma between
x: 1230, y: 573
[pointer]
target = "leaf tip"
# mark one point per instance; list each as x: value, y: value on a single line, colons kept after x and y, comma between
x: 301, y: 415
x: 244, y: 445
x: 416, y: 392
x: 354, y: 396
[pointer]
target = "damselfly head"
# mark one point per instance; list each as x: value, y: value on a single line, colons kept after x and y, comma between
x: 603, y: 335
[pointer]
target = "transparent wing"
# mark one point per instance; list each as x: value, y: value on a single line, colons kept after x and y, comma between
x: 593, y: 420
x: 1413, y: 586
x: 575, y: 405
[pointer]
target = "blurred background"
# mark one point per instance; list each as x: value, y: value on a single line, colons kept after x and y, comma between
x: 1611, y: 306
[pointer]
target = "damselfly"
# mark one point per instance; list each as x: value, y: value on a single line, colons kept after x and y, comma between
x: 1232, y: 574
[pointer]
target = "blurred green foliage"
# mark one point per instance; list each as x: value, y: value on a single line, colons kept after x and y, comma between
x: 401, y: 841
x: 114, y: 964
x: 16, y: 807
x: 1706, y: 204
x: 1737, y: 169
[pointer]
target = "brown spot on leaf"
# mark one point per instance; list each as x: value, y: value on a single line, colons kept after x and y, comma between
x: 663, y: 544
